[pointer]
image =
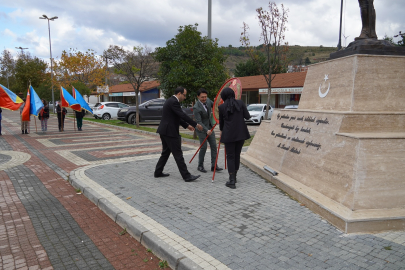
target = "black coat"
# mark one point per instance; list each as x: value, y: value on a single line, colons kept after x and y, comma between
x: 60, y: 111
x: 172, y: 117
x: 80, y: 114
x: 234, y: 128
x: 45, y: 113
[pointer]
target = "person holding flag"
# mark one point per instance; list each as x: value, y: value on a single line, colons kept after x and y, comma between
x: 44, y: 116
x: 24, y: 124
x: 0, y: 121
x: 33, y: 105
x: 85, y: 107
x: 61, y: 112
x: 9, y: 101
x: 66, y: 100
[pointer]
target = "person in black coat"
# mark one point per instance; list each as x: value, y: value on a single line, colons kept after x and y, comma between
x: 79, y: 118
x: 172, y: 117
x: 234, y: 131
x: 61, y: 116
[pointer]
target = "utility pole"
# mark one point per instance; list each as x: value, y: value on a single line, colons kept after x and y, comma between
x: 209, y: 18
x: 50, y: 50
x: 22, y: 49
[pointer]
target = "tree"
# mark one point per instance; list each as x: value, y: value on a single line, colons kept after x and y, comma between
x: 307, y: 61
x: 29, y: 70
x: 273, y: 27
x: 77, y: 67
x: 402, y: 41
x: 191, y: 61
x: 7, y: 63
x: 250, y: 67
x: 137, y: 65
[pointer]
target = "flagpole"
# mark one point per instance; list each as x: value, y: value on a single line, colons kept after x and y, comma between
x: 36, y: 129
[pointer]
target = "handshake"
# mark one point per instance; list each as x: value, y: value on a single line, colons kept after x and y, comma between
x: 199, y: 127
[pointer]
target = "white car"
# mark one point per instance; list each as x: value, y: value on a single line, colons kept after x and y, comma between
x: 108, y: 110
x: 257, y: 113
x: 291, y: 107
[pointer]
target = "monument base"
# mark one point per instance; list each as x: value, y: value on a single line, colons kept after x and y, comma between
x: 342, y: 152
x: 346, y: 220
x: 369, y: 46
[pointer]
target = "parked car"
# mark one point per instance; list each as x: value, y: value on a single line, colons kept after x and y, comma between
x: 257, y: 113
x: 149, y: 110
x: 291, y: 107
x: 108, y: 110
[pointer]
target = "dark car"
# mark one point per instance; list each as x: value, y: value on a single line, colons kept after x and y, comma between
x: 149, y: 110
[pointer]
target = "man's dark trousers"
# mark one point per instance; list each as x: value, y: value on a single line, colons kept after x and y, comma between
x: 172, y: 145
x: 211, y: 140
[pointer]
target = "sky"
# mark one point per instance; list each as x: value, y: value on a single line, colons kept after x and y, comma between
x: 96, y: 24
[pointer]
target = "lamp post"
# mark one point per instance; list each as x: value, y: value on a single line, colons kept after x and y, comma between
x: 50, y: 49
x: 209, y: 18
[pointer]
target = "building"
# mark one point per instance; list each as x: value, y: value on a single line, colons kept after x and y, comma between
x: 125, y: 93
x: 286, y: 89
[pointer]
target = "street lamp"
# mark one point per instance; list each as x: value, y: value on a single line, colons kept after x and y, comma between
x: 22, y: 49
x: 50, y: 49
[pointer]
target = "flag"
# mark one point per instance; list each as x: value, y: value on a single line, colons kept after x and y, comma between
x: 78, y: 97
x: 67, y: 100
x: 9, y: 100
x: 33, y: 105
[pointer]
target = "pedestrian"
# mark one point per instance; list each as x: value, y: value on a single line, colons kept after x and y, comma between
x: 234, y: 131
x: 172, y: 117
x: 79, y: 118
x: 61, y: 112
x: 203, y: 115
x: 0, y: 121
x: 44, y: 116
x: 24, y: 124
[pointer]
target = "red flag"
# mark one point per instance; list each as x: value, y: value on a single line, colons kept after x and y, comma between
x: 26, y: 111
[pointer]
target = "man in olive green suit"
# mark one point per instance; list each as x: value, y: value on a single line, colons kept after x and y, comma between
x: 203, y: 113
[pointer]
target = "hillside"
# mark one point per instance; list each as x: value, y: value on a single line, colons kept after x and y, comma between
x: 296, y: 55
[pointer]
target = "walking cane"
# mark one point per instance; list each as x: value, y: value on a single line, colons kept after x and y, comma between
x: 202, y: 144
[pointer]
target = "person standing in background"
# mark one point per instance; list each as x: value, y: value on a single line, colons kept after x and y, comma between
x: 24, y: 124
x: 0, y: 121
x: 61, y: 116
x: 44, y: 116
x: 79, y: 118
x: 234, y: 132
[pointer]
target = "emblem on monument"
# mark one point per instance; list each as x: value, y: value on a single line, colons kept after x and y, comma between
x: 322, y: 87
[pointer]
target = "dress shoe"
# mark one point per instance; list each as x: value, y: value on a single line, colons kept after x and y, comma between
x: 201, y: 169
x: 231, y: 182
x: 161, y: 175
x: 191, y: 178
x: 217, y: 169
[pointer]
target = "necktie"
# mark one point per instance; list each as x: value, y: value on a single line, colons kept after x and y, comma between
x: 205, y: 106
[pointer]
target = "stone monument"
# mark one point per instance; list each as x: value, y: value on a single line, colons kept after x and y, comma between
x: 342, y: 152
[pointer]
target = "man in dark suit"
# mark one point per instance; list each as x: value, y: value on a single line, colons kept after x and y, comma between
x: 203, y: 115
x: 172, y: 117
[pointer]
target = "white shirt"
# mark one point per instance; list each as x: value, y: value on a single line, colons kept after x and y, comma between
x: 177, y: 98
x: 205, y: 106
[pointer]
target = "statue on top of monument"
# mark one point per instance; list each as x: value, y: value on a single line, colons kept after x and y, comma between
x: 368, y: 17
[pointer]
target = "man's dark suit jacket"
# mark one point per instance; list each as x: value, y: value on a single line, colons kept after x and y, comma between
x: 172, y: 117
x: 234, y: 128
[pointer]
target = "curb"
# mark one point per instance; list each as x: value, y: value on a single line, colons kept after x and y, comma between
x: 175, y: 259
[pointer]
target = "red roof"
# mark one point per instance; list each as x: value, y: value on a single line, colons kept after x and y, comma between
x: 283, y: 80
x: 145, y: 86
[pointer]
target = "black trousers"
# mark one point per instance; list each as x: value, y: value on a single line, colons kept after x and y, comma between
x: 233, y: 150
x: 172, y: 145
x: 61, y: 122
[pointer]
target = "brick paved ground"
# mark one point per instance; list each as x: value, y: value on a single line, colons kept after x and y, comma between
x: 44, y: 224
x: 256, y: 226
